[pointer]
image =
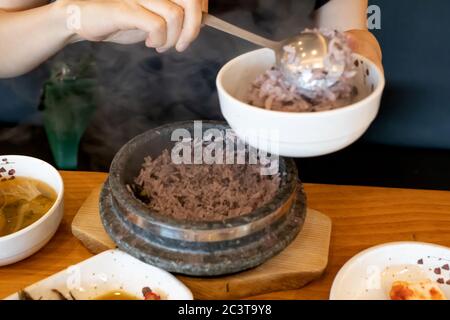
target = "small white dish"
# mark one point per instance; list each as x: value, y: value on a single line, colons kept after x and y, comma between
x: 25, y: 242
x: 361, y: 277
x: 107, y: 272
x: 296, y: 134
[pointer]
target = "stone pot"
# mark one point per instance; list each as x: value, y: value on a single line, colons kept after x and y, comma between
x: 196, y: 248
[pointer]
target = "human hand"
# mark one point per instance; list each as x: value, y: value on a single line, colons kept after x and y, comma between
x: 364, y: 43
x: 163, y: 24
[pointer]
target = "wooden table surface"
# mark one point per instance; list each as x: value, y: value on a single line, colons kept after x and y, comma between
x: 362, y: 217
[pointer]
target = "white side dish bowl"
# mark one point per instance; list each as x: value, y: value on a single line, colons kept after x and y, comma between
x: 292, y: 134
x: 361, y: 278
x: 106, y: 272
x: 23, y: 243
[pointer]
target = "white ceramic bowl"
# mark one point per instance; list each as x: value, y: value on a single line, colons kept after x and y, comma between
x: 25, y: 242
x: 296, y: 134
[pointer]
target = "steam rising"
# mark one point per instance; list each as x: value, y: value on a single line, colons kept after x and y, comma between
x: 139, y: 89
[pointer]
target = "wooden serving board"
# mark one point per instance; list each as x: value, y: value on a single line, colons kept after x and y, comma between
x: 304, y: 260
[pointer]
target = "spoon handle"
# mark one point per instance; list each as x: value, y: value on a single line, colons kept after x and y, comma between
x: 224, y: 26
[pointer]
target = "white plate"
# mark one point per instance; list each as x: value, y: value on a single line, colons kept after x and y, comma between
x: 109, y: 271
x: 360, y: 277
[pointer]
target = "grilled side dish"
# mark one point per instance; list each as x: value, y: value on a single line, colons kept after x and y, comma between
x: 422, y: 290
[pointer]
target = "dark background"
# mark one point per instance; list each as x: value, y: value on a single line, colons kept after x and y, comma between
x: 407, y: 146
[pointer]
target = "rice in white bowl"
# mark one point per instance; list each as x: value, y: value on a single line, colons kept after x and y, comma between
x: 273, y: 92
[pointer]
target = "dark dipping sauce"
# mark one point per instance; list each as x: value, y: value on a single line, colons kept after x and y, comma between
x: 117, y: 295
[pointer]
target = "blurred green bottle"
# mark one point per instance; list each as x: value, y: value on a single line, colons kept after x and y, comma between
x: 69, y: 101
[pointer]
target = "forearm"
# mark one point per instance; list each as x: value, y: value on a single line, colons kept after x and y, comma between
x: 27, y: 38
x: 342, y: 15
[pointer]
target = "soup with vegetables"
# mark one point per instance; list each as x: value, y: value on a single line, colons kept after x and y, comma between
x: 22, y: 202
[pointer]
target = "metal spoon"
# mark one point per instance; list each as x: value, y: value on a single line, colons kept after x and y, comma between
x: 296, y: 57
